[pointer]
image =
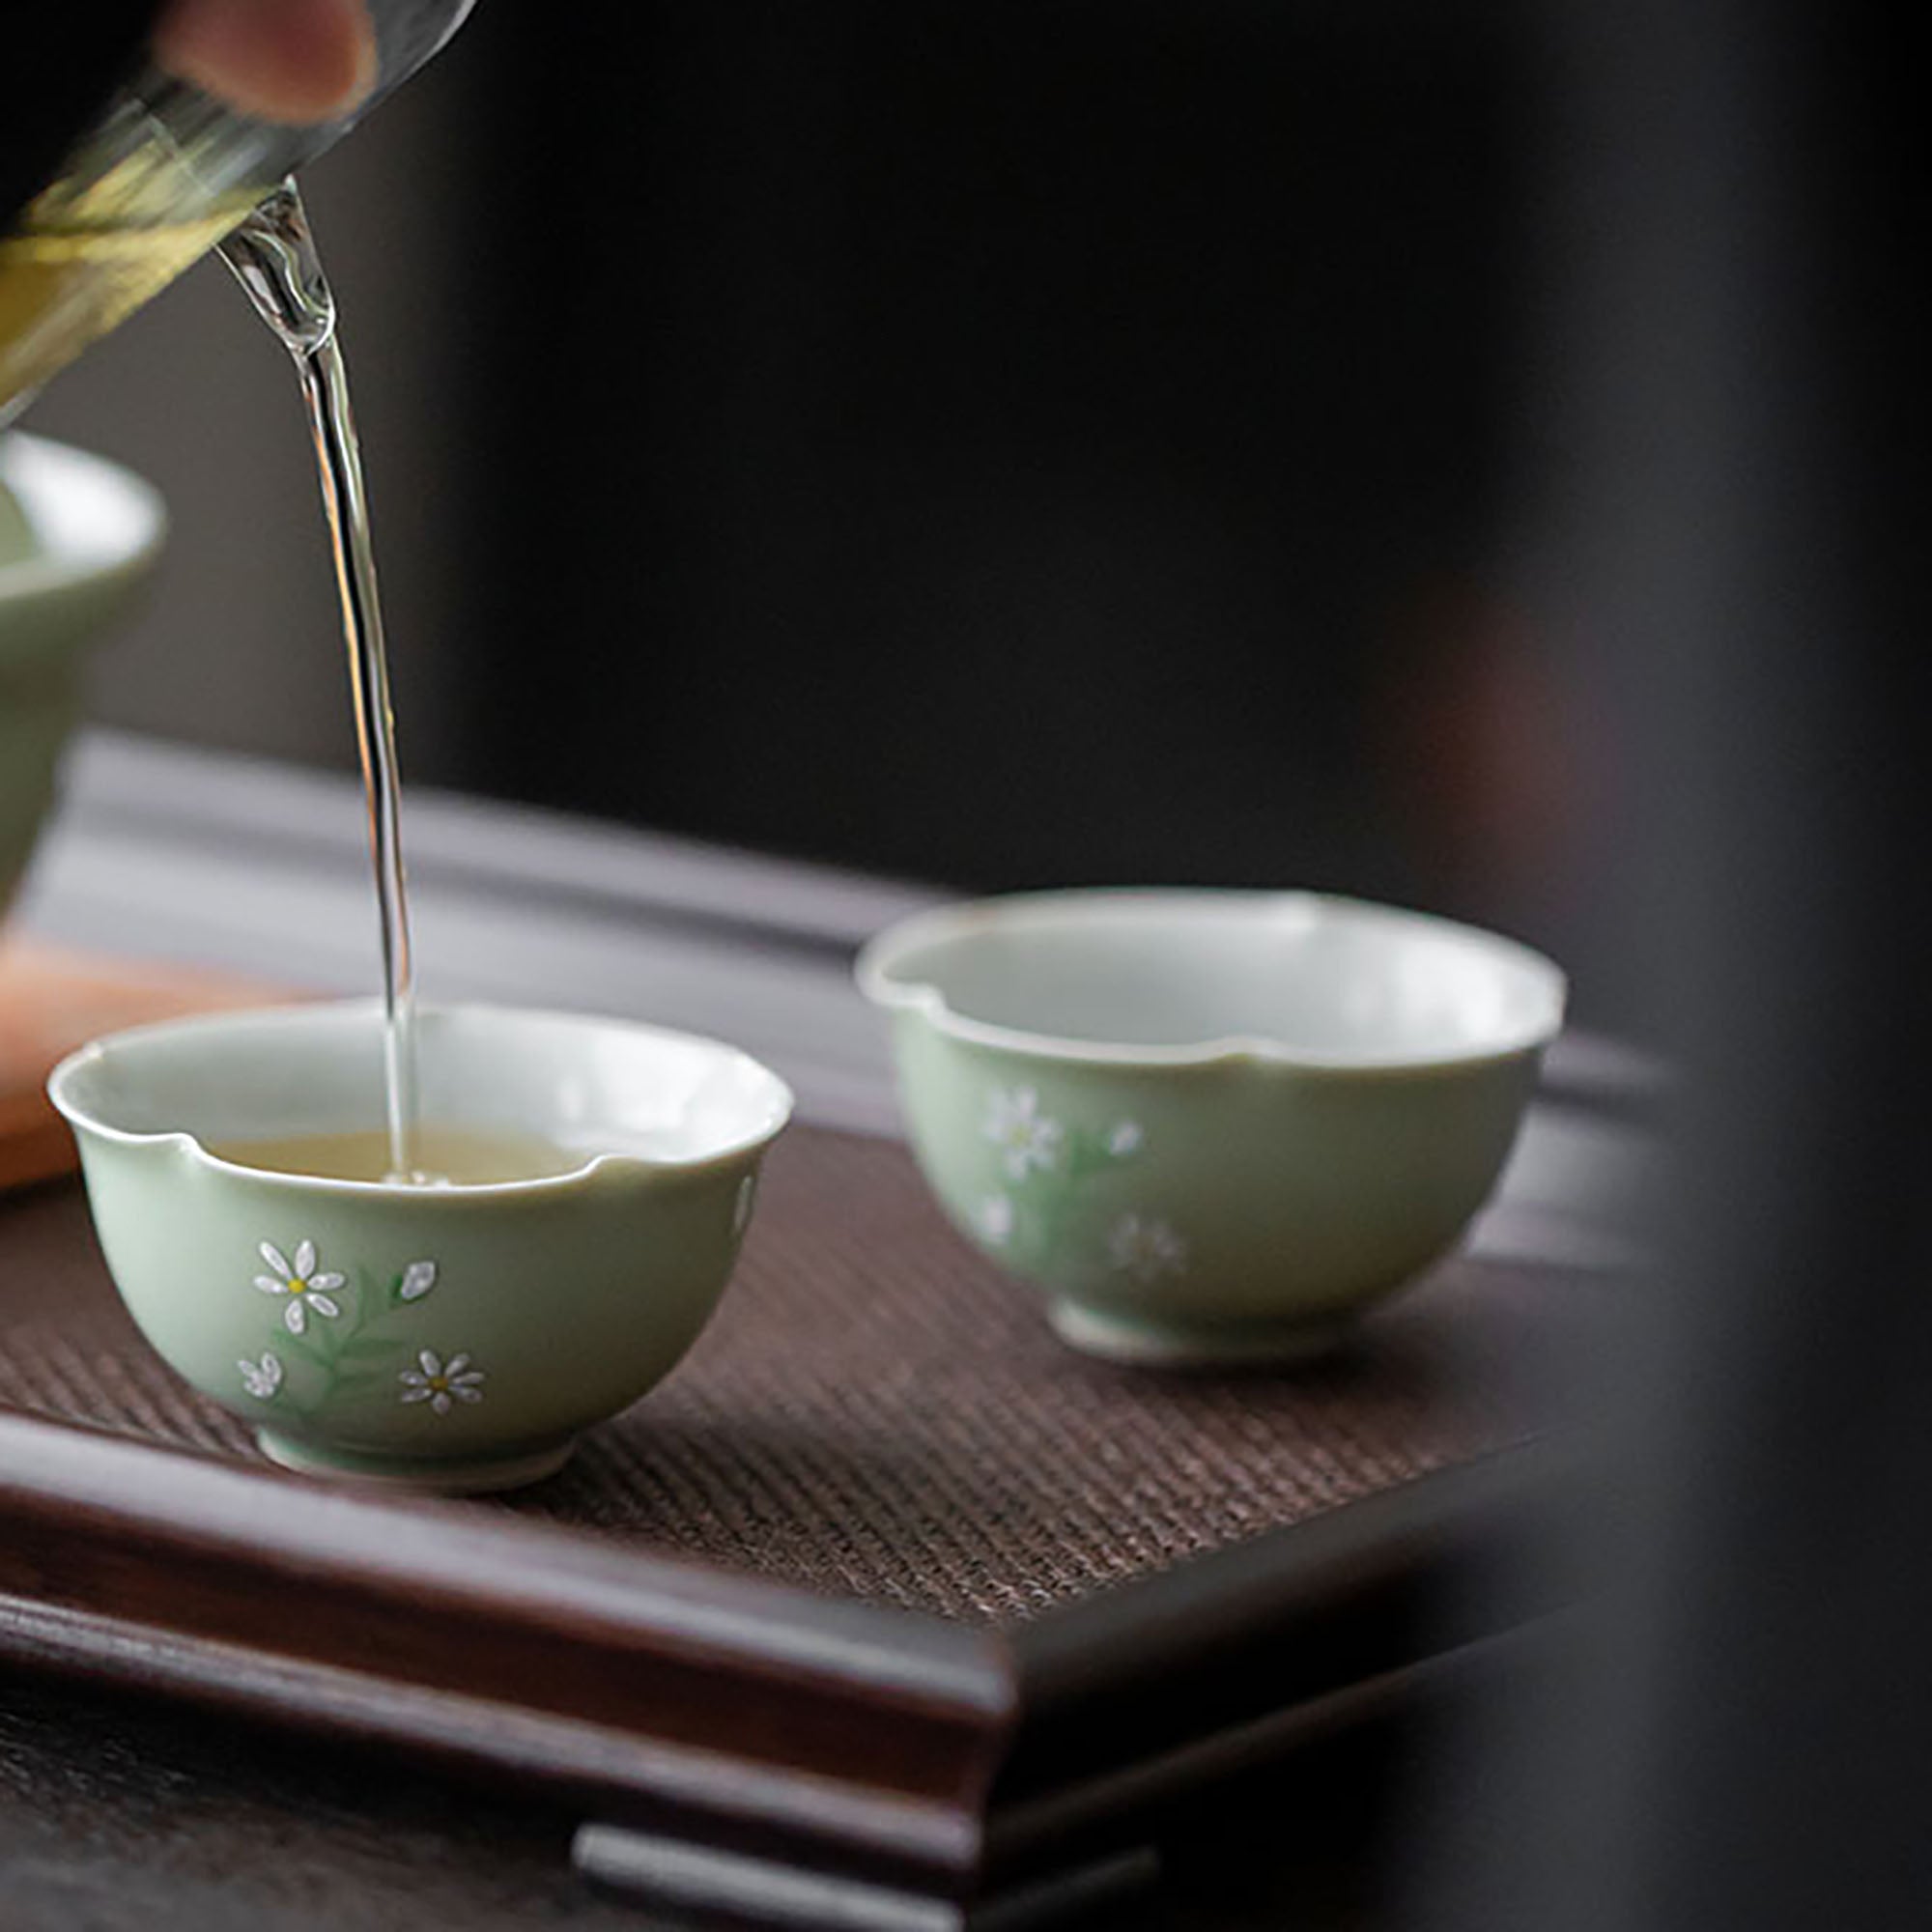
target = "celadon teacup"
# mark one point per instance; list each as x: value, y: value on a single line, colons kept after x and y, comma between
x: 78, y: 538
x: 446, y: 1337
x: 1210, y: 1126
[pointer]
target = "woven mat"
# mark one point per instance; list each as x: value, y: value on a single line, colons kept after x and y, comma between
x: 876, y: 1412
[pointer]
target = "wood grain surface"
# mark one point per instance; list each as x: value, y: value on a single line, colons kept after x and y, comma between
x: 118, y: 1814
x: 54, y: 999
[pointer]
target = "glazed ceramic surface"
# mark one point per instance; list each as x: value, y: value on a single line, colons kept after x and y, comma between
x: 77, y: 537
x: 446, y: 1337
x: 1209, y: 1126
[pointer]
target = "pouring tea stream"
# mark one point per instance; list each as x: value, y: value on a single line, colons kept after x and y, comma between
x: 167, y: 172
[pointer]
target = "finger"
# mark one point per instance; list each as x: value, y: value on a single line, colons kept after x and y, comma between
x: 280, y: 60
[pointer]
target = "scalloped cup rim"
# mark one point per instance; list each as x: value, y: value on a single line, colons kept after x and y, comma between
x: 81, y: 1117
x: 875, y: 971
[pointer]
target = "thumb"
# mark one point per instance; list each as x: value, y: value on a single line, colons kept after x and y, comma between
x: 279, y: 59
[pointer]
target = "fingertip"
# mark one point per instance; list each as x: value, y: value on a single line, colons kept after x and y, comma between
x: 279, y: 59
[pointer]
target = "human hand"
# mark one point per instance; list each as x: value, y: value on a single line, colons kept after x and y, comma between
x: 278, y: 60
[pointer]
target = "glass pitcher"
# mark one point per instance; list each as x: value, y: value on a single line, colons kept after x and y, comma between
x: 163, y: 174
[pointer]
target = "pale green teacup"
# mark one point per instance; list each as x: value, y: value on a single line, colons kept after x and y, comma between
x: 455, y: 1337
x: 1213, y: 1127
x: 77, y: 538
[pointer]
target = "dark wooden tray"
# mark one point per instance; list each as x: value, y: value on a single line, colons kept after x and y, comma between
x: 885, y: 1604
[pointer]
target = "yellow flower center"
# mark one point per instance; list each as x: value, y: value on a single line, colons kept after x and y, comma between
x: 440, y: 1383
x: 297, y: 1287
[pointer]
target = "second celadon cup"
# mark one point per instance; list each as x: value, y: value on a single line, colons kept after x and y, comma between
x: 1209, y: 1127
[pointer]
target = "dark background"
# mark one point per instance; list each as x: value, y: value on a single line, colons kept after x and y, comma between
x: 1289, y: 566
x: 999, y: 444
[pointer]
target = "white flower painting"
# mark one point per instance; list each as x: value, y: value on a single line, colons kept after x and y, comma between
x: 1026, y: 1138
x: 995, y: 1220
x: 1146, y: 1248
x: 307, y: 1289
x: 262, y: 1379
x: 440, y: 1383
x: 419, y: 1278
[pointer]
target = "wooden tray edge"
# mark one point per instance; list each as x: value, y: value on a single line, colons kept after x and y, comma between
x: 876, y: 1747
x: 867, y: 1735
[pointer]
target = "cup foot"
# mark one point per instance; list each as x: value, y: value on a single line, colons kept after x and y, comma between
x: 1115, y: 1338
x: 419, y: 1474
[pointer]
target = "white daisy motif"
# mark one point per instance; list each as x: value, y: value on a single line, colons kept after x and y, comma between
x: 419, y: 1278
x: 1025, y: 1137
x: 262, y: 1379
x: 1146, y: 1248
x: 1123, y: 1138
x: 995, y: 1220
x: 306, y: 1290
x: 440, y: 1383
